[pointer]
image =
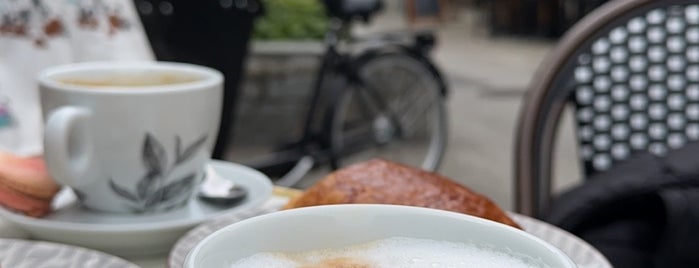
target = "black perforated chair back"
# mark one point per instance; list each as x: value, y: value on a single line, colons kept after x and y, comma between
x: 630, y: 71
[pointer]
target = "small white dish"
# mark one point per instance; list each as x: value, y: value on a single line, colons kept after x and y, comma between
x: 31, y: 254
x: 138, y: 234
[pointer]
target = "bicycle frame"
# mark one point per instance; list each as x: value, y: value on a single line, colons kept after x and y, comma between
x: 311, y: 148
x: 330, y: 62
x: 335, y: 71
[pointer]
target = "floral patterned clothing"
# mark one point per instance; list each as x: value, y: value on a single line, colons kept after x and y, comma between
x: 35, y: 34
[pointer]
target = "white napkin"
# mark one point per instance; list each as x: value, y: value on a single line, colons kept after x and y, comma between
x: 35, y: 34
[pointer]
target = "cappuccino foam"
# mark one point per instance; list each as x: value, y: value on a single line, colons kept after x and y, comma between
x: 394, y: 252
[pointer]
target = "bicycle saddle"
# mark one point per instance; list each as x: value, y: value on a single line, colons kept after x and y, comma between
x: 353, y: 9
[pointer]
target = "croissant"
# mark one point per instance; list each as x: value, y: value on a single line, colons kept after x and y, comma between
x: 380, y: 181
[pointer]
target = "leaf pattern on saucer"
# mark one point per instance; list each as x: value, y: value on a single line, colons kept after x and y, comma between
x: 151, y: 191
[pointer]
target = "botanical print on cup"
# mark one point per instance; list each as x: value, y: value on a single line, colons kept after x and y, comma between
x: 152, y: 193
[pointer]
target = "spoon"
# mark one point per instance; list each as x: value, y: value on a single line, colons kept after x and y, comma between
x: 219, y: 191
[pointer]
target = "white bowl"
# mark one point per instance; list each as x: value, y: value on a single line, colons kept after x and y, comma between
x: 338, y: 226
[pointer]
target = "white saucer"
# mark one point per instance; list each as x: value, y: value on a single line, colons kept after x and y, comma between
x: 31, y: 254
x: 134, y: 234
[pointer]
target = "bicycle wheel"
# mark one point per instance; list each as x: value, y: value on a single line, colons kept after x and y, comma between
x: 395, y: 111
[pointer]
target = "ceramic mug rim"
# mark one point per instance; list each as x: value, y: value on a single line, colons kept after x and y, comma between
x: 208, y: 77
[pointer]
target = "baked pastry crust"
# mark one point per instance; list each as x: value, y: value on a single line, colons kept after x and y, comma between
x: 380, y: 181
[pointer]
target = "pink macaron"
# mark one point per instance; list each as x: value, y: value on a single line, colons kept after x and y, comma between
x: 25, y: 185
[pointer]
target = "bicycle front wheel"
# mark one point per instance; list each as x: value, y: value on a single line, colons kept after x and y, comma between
x: 395, y: 111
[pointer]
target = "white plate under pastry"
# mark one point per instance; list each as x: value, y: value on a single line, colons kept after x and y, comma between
x: 18, y: 253
x: 138, y: 234
x: 582, y: 253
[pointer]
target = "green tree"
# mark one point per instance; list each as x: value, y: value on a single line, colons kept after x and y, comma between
x: 291, y: 19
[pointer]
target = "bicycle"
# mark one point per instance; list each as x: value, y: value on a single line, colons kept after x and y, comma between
x: 356, y: 113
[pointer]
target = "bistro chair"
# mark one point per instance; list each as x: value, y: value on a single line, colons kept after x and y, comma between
x: 630, y: 73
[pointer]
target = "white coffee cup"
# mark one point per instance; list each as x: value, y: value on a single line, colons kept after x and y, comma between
x: 130, y: 137
x: 339, y: 226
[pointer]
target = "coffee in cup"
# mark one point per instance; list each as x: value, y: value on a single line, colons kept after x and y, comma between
x: 130, y: 137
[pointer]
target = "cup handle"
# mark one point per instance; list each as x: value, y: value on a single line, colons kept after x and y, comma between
x: 68, y: 148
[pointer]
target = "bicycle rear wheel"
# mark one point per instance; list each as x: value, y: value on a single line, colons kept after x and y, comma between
x: 395, y: 111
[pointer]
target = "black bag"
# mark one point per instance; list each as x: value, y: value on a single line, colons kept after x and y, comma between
x: 642, y: 213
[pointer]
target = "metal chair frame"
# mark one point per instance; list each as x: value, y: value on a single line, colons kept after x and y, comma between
x: 550, y: 93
